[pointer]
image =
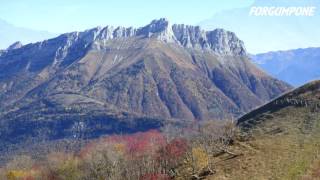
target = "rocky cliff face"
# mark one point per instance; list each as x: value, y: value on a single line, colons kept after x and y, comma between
x: 15, y: 45
x: 116, y: 79
x: 219, y: 40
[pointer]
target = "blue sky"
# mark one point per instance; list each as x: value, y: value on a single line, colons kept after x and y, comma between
x: 260, y: 34
x: 69, y: 15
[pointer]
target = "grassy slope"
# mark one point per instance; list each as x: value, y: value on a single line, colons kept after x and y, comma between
x: 276, y: 155
x: 282, y: 145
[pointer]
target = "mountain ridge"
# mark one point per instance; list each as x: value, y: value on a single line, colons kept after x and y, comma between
x: 145, y: 76
x: 218, y: 40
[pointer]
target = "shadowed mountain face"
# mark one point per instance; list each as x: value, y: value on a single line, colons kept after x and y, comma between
x: 118, y: 79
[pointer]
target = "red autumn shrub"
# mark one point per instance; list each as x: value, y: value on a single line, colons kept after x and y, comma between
x: 177, y: 147
x: 174, y: 149
x: 171, y: 155
x: 316, y: 173
x: 142, y: 143
x: 135, y: 144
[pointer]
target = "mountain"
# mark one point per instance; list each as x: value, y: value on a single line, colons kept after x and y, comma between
x: 10, y: 34
x: 295, y: 67
x: 113, y: 80
x: 270, y: 33
x: 279, y: 140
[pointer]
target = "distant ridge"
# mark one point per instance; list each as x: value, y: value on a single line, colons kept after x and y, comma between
x: 10, y: 34
x: 296, y: 67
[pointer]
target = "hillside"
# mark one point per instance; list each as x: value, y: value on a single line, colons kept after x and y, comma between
x: 113, y: 80
x: 279, y: 140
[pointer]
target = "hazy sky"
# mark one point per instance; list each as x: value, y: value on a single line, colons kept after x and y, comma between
x: 69, y: 15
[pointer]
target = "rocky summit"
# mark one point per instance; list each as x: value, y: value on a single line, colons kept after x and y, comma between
x: 107, y: 80
x: 15, y: 45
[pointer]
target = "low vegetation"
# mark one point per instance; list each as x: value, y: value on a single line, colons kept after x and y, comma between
x: 281, y: 145
x: 168, y: 154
